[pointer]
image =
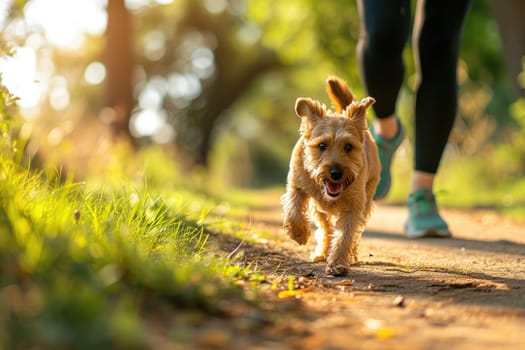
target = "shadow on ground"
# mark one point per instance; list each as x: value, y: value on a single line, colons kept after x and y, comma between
x: 390, y: 278
x: 499, y: 246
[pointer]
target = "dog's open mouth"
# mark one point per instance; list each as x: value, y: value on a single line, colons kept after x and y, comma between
x: 333, y: 189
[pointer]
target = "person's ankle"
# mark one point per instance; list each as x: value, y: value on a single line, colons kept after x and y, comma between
x: 422, y: 181
x: 387, y: 128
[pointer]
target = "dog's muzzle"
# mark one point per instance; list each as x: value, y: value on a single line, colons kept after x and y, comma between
x: 333, y: 186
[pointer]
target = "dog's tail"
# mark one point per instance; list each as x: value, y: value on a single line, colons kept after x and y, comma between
x: 339, y: 93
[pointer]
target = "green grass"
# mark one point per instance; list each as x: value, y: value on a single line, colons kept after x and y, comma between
x: 78, y: 261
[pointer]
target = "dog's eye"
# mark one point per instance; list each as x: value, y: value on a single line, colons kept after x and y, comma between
x: 348, y: 148
x: 322, y: 147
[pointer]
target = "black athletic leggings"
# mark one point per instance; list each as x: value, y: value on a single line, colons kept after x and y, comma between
x: 385, y: 28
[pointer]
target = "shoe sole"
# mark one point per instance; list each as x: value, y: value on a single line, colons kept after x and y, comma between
x: 428, y: 233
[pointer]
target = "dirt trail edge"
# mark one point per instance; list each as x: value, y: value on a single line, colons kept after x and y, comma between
x: 467, y: 292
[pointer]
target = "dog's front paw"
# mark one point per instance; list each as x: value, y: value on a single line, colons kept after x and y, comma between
x: 299, y: 236
x: 299, y: 233
x: 318, y: 257
x: 336, y: 270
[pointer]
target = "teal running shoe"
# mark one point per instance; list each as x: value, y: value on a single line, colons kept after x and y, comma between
x: 423, y: 217
x: 386, y: 149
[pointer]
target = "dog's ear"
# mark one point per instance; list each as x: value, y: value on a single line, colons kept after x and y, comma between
x: 310, y: 109
x: 339, y: 93
x: 357, y: 111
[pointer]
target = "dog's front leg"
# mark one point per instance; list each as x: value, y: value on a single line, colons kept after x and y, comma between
x: 296, y: 224
x: 344, y: 244
x: 322, y: 236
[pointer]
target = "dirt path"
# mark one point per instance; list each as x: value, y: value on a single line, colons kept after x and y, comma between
x: 462, y: 293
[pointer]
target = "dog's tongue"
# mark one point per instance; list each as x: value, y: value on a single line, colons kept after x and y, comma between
x: 333, y: 189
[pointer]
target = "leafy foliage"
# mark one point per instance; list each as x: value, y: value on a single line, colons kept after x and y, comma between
x: 222, y: 77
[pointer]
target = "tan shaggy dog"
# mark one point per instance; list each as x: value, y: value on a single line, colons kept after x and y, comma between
x: 334, y: 171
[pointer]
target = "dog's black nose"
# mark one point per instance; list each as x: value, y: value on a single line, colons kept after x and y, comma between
x: 336, y: 173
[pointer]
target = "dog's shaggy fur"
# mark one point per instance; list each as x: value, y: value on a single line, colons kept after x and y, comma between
x: 334, y: 171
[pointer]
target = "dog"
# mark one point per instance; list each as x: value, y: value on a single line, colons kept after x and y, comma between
x: 334, y: 171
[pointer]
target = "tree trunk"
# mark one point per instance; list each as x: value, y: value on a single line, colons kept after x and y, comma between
x: 509, y: 15
x: 118, y: 57
x: 220, y: 98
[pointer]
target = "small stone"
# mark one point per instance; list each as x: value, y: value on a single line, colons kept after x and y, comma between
x: 399, y: 301
x: 76, y: 216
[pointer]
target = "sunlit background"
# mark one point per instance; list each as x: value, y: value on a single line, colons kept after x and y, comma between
x: 61, y: 23
x: 213, y: 82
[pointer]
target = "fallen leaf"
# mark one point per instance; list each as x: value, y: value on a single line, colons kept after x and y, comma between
x: 291, y: 293
x: 384, y: 333
x: 342, y: 283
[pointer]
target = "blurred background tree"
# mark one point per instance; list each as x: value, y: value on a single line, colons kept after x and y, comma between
x: 213, y: 82
x: 118, y: 57
x: 511, y: 27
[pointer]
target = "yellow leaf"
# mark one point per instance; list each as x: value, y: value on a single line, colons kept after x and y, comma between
x: 384, y: 333
x: 291, y: 293
x: 342, y: 283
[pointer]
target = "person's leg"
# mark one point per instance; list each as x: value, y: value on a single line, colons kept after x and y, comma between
x: 384, y: 27
x: 384, y: 31
x: 437, y: 32
x: 437, y: 36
